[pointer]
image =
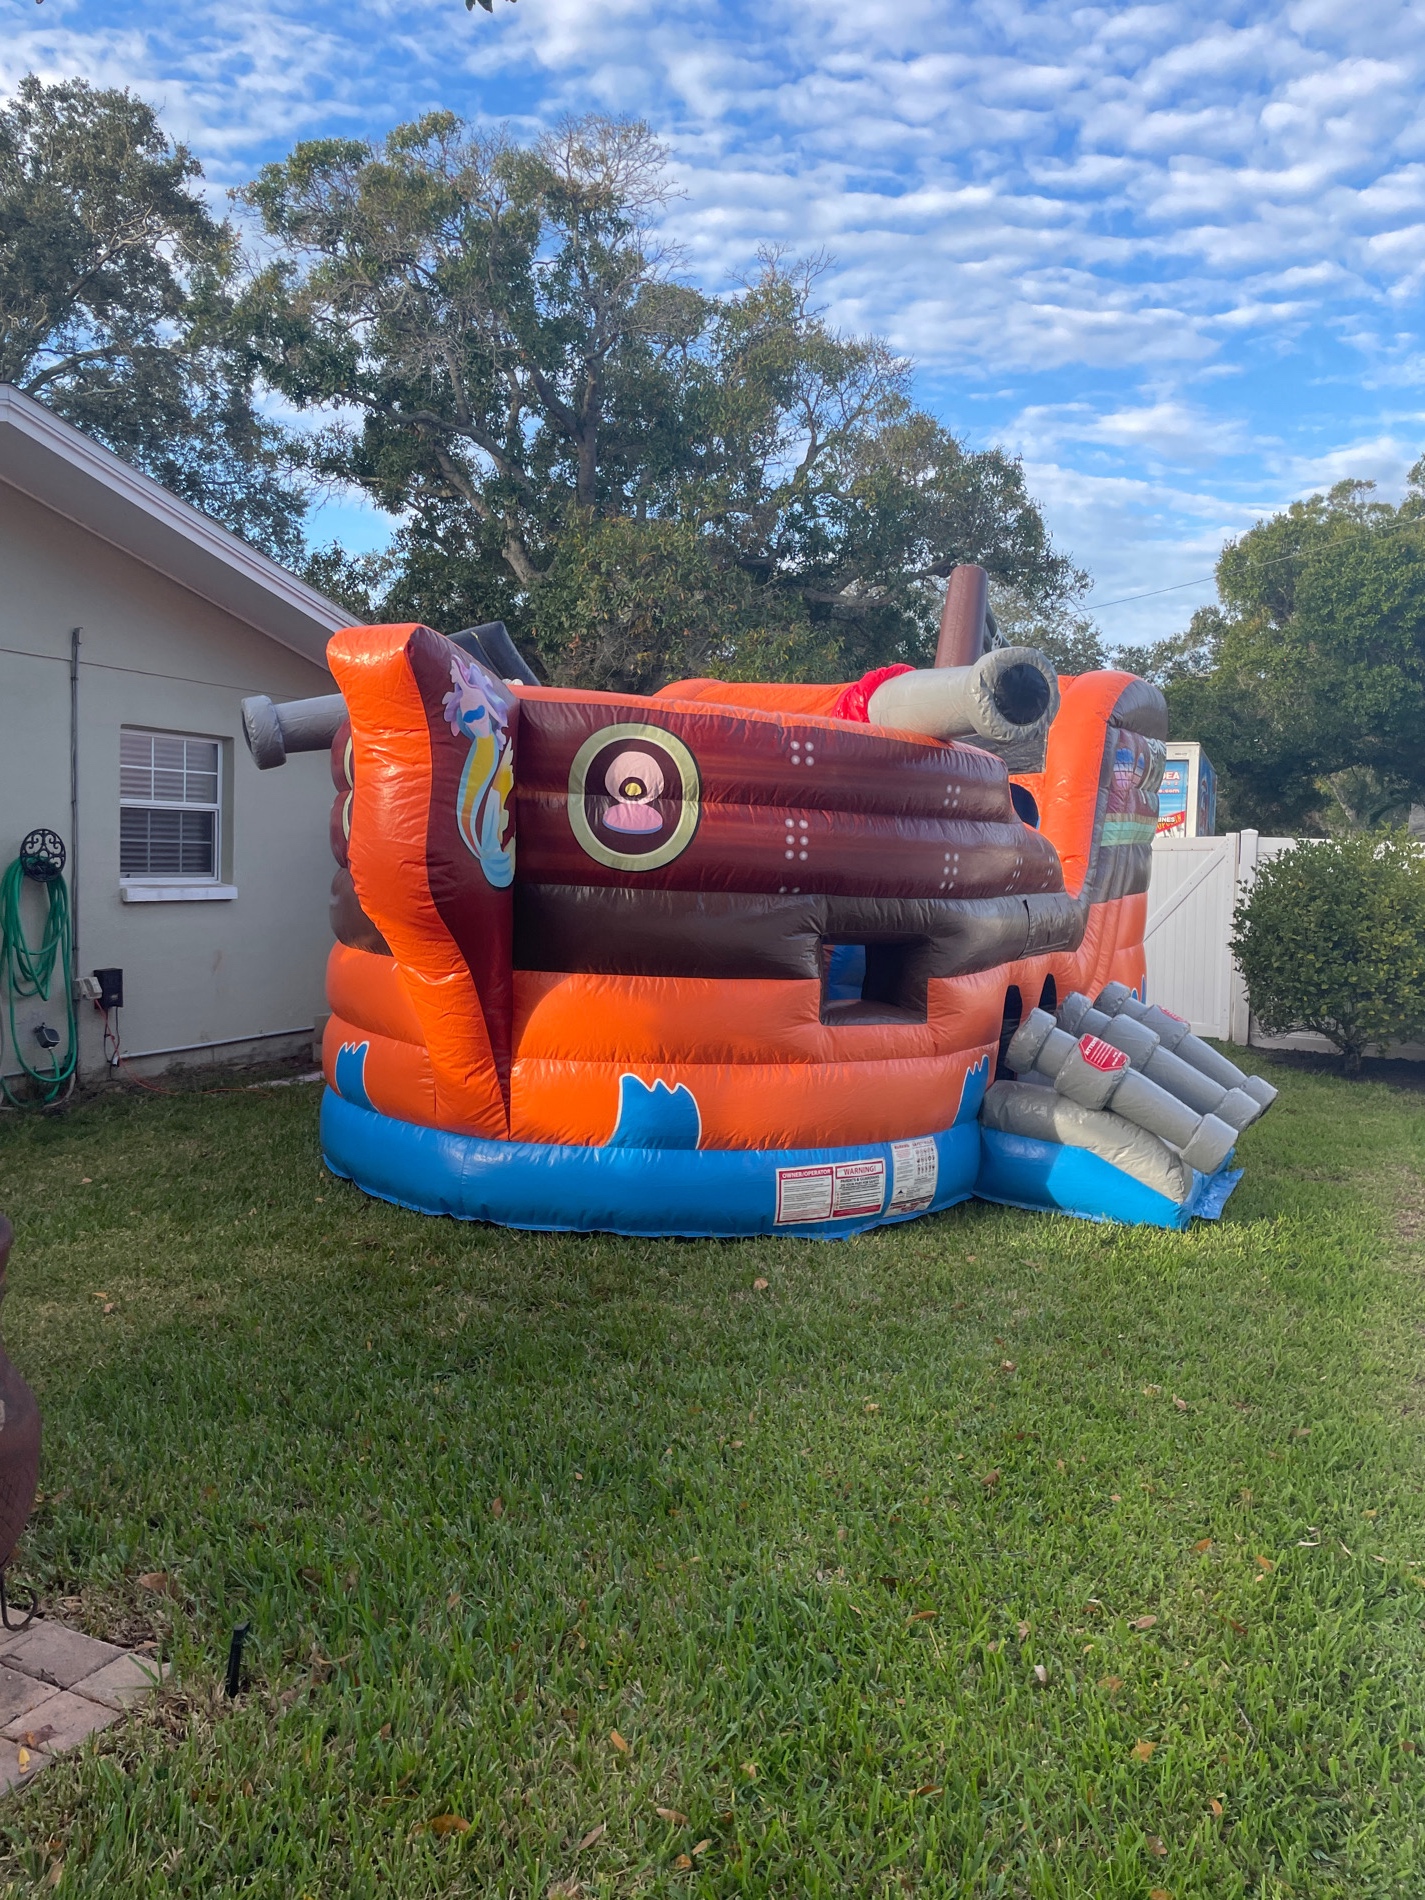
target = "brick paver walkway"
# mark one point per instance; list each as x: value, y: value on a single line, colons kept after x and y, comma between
x: 58, y: 1686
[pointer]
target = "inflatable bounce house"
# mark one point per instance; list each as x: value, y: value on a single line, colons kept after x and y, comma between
x: 747, y: 958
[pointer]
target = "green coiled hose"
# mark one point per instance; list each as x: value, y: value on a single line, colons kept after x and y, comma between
x: 28, y: 972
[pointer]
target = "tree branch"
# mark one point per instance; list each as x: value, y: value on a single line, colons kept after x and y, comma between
x: 67, y: 363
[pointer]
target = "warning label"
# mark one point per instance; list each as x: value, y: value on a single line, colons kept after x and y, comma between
x: 1102, y: 1055
x: 830, y: 1191
x: 915, y: 1174
x: 804, y: 1194
x: 860, y: 1187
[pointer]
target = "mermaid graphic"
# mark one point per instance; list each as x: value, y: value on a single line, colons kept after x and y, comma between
x: 477, y: 708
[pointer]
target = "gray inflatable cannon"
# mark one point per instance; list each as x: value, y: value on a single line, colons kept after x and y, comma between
x: 1000, y: 698
x: 275, y: 730
x: 1004, y: 702
x: 1095, y: 1075
x: 1144, y: 1049
x: 1176, y: 1037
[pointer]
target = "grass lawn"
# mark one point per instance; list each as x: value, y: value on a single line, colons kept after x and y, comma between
x: 995, y: 1554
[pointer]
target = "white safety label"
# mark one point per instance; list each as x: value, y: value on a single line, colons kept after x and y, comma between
x: 860, y: 1187
x: 804, y: 1193
x: 915, y: 1173
x: 830, y: 1191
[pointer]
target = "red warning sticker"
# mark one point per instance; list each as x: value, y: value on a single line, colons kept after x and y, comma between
x: 1102, y: 1055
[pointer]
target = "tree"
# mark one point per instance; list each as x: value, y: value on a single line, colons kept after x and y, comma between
x: 1069, y: 638
x: 1331, y: 938
x: 550, y: 406
x: 115, y: 297
x: 1307, y: 684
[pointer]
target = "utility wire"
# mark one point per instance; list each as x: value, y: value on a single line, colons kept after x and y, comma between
x: 1090, y: 606
x: 1297, y: 554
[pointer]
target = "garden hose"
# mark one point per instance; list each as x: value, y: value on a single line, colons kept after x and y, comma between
x: 27, y: 971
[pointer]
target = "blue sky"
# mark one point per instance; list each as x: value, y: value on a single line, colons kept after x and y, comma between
x: 1170, y: 254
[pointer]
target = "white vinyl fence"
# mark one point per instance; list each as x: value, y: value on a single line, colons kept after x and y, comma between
x: 1195, y: 887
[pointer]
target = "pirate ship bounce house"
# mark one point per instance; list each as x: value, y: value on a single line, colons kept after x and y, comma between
x: 739, y: 958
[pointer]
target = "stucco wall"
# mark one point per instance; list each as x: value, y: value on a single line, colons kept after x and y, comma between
x: 154, y: 655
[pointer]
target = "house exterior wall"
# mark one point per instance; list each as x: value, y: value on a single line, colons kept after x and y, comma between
x: 154, y: 655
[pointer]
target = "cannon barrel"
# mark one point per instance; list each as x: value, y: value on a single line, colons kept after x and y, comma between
x: 1006, y: 698
x: 272, y: 730
x: 297, y: 725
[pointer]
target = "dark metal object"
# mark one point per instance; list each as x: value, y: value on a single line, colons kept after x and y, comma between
x: 42, y: 855
x: 19, y: 1440
x: 235, y: 1649
x: 111, y: 988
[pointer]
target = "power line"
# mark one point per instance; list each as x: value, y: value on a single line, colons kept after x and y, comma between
x: 1123, y: 599
x: 1297, y: 554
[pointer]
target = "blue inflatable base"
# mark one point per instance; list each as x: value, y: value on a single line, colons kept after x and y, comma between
x: 681, y: 1192
x: 1017, y: 1171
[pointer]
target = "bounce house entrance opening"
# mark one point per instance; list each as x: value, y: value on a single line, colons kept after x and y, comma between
x: 871, y: 983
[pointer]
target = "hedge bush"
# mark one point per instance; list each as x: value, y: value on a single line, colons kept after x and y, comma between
x: 1331, y: 937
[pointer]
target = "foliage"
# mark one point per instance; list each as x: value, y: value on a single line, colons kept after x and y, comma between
x: 1307, y: 684
x: 1070, y: 639
x: 115, y: 290
x: 1331, y: 937
x: 541, y: 397
x: 1181, y: 654
x: 817, y: 1526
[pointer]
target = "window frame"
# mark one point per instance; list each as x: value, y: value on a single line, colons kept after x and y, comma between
x: 172, y: 880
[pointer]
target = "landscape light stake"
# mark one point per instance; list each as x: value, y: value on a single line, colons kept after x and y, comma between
x: 235, y: 1647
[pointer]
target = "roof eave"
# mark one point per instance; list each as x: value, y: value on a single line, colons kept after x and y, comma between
x: 74, y: 476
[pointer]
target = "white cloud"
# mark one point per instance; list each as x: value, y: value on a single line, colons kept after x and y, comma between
x: 1129, y: 218
x: 1169, y: 431
x: 1385, y: 459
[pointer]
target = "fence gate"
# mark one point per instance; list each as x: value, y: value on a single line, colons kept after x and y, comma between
x: 1190, y: 903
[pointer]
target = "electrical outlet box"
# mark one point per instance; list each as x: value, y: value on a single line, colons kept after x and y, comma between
x: 111, y: 988
x: 86, y: 989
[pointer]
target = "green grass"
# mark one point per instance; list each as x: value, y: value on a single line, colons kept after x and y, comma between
x: 487, y: 1498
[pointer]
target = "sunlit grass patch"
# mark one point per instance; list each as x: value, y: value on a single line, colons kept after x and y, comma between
x: 994, y: 1554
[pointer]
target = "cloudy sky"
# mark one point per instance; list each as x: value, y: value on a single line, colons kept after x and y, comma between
x: 1171, y: 254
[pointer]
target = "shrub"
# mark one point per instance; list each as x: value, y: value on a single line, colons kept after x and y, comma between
x: 1332, y: 938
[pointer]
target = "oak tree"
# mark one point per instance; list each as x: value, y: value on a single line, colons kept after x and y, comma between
x: 116, y: 289
x: 642, y: 478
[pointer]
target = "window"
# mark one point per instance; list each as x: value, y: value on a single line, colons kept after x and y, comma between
x: 169, y: 812
x: 873, y: 983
